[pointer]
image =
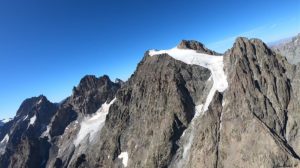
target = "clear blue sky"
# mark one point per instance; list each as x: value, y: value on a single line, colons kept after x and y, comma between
x: 47, y: 46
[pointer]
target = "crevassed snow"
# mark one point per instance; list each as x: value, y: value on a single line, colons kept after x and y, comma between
x: 5, y: 139
x: 32, y: 120
x: 92, y: 124
x: 212, y: 62
x: 124, y: 157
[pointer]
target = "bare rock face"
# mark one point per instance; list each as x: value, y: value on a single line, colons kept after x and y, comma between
x: 292, y: 127
x: 195, y: 45
x: 92, y: 92
x: 255, y: 115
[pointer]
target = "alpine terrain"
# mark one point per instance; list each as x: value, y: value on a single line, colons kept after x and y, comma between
x: 184, y: 107
x: 290, y: 49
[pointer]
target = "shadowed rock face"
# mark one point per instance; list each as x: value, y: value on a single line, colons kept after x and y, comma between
x: 253, y: 123
x: 92, y: 92
x: 255, y: 115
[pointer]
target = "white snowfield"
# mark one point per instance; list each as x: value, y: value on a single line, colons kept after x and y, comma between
x: 92, y: 124
x: 124, y: 157
x: 212, y: 62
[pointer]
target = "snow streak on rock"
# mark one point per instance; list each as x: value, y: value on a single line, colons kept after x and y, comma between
x: 92, y: 124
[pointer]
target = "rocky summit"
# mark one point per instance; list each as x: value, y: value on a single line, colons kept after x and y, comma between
x: 186, y: 107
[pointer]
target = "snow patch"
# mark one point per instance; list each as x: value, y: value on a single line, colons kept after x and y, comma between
x: 32, y: 120
x: 92, y: 124
x: 46, y: 132
x: 5, y: 139
x: 124, y: 157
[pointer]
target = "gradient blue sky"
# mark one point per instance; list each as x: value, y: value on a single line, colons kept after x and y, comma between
x: 47, y: 46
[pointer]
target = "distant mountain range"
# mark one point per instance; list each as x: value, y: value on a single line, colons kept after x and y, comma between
x: 3, y: 121
x: 290, y: 48
x: 185, y: 107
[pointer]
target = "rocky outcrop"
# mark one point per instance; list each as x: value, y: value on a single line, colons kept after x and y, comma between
x: 92, y: 92
x: 255, y: 114
x: 197, y: 46
x: 292, y: 127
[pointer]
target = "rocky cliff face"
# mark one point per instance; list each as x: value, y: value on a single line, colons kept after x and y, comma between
x: 184, y: 107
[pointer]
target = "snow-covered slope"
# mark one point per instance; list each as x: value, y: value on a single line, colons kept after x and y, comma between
x: 212, y: 62
x: 92, y: 124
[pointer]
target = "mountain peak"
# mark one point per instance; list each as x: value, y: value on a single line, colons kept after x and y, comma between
x: 91, y: 81
x: 191, y: 44
x: 29, y: 103
x: 195, y: 45
x: 244, y: 45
